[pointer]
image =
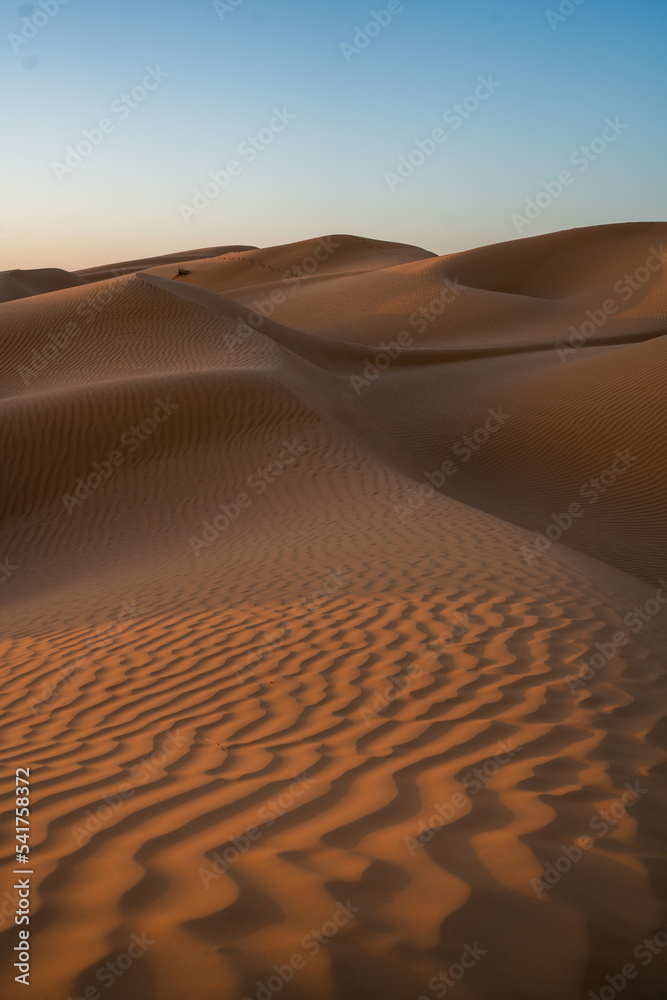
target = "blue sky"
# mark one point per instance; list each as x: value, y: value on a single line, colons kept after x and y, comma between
x: 312, y: 117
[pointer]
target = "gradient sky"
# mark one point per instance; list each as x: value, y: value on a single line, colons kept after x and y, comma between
x: 355, y: 115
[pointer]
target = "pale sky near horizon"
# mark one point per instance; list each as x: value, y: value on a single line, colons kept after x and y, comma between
x: 421, y: 121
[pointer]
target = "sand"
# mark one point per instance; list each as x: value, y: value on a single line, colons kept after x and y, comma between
x: 307, y: 551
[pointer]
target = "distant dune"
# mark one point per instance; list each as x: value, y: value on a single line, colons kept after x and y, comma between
x: 334, y: 619
x: 131, y: 266
x: 20, y: 284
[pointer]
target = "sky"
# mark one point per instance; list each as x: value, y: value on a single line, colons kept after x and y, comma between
x: 133, y: 129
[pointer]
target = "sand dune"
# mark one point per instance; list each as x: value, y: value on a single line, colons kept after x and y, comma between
x: 298, y: 611
x: 19, y: 284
